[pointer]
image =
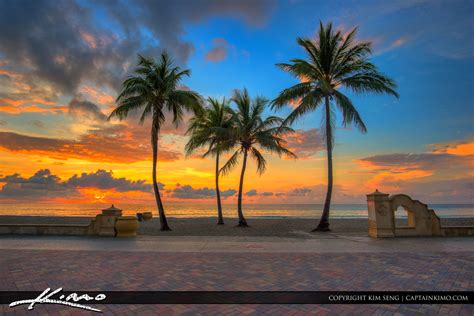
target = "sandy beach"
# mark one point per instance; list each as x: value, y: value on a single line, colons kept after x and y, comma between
x: 206, y: 226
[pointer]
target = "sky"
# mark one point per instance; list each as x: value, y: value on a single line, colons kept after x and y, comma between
x: 62, y: 64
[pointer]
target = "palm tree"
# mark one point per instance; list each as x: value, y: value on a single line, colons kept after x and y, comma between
x: 251, y: 134
x: 154, y: 89
x: 334, y: 61
x: 212, y: 129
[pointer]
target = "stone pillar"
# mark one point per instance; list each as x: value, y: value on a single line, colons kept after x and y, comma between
x: 381, y: 218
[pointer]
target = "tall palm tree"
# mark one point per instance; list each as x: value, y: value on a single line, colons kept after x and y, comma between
x: 212, y: 129
x: 154, y: 89
x: 251, y: 134
x: 334, y: 61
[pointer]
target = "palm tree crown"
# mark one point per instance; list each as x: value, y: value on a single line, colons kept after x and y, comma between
x: 155, y: 89
x: 251, y: 135
x: 333, y: 62
x: 211, y: 129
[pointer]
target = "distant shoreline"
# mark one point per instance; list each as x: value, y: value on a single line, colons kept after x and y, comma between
x: 254, y: 211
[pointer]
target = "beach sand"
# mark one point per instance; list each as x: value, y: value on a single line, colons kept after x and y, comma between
x: 206, y: 226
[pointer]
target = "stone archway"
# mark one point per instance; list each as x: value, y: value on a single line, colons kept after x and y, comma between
x: 421, y: 220
x: 405, y: 202
x: 382, y: 223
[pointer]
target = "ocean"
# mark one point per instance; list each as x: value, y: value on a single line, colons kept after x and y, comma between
x: 229, y: 210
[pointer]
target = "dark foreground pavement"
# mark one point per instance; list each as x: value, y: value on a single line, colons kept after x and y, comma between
x: 253, y: 269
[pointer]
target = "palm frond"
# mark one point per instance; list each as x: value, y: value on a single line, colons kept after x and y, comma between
x: 292, y: 94
x: 261, y: 162
x: 128, y: 105
x: 231, y: 163
x: 370, y: 82
x: 349, y: 112
x: 307, y: 104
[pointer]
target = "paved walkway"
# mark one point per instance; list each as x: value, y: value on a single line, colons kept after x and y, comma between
x: 332, y: 262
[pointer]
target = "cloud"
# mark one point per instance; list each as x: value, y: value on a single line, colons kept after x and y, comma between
x: 188, y: 192
x: 102, y: 179
x: 37, y: 123
x: 228, y: 193
x: 463, y: 148
x: 251, y: 193
x: 79, y: 107
x: 305, y: 143
x: 219, y: 50
x: 21, y: 93
x: 62, y: 42
x: 437, y: 191
x: 443, y: 157
x: 43, y: 185
x: 300, y: 192
x: 55, y: 49
x: 97, y: 95
x: 387, y: 47
x: 116, y: 143
x: 393, y: 171
x: 266, y: 194
x: 412, y: 161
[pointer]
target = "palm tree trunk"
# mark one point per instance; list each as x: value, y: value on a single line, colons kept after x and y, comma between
x: 324, y: 222
x: 242, y: 221
x: 154, y: 144
x: 220, y: 220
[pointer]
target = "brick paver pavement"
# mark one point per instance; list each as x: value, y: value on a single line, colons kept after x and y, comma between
x: 121, y: 270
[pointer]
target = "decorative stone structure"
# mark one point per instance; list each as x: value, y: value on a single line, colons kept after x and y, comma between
x: 421, y: 220
x: 104, y: 224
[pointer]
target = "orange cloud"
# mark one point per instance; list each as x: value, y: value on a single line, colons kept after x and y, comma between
x: 97, y: 95
x: 458, y: 149
x: 9, y: 73
x: 118, y: 143
x: 10, y: 102
x: 445, y: 160
x: 12, y: 106
x: 386, y: 179
x: 305, y: 143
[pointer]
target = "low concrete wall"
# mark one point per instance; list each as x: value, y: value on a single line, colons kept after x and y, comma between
x: 457, y: 231
x: 46, y: 229
x: 104, y: 224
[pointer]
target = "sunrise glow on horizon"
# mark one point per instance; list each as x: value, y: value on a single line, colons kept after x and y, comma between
x: 59, y: 80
